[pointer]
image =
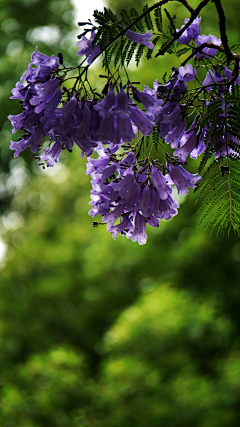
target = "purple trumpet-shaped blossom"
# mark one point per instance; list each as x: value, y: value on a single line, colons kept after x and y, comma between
x: 192, y: 32
x: 188, y: 142
x: 222, y: 149
x: 197, y: 151
x: 167, y: 208
x: 125, y: 132
x: 125, y: 226
x: 115, y: 125
x: 185, y: 37
x: 182, y: 179
x: 141, y: 120
x: 194, y: 29
x: 51, y: 154
x: 144, y: 202
x: 19, y: 146
x: 139, y: 234
x: 187, y: 73
x: 139, y: 38
x: 229, y: 75
x: 18, y: 91
x: 33, y: 141
x: 17, y: 121
x: 129, y: 190
x: 207, y: 51
x: 40, y: 98
x: 169, y: 118
x: 104, y: 107
x: 163, y: 189
x: 44, y: 65
x: 174, y: 136
x: 120, y: 107
x: 212, y: 78
x: 66, y: 110
x: 86, y: 47
x: 44, y: 94
x: 149, y: 101
x: 124, y: 195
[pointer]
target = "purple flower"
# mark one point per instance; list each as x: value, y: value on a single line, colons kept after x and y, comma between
x: 83, y: 120
x: 114, y: 215
x: 120, y: 107
x: 184, y: 38
x: 167, y: 208
x: 33, y: 141
x: 17, y: 121
x: 174, y: 136
x: 115, y: 125
x: 124, y: 225
x: 48, y: 96
x: 141, y: 120
x: 197, y: 151
x: 212, y: 78
x: 51, y: 154
x: 163, y: 189
x: 125, y: 131
x: 106, y: 131
x: 104, y: 107
x: 182, y: 179
x: 64, y: 112
x: 229, y: 75
x: 44, y: 66
x: 139, y: 233
x: 187, y: 73
x: 207, y: 51
x: 128, y: 198
x: 18, y: 92
x: 144, y: 202
x: 19, y: 146
x: 188, y: 142
x: 193, y: 29
x: 149, y: 101
x: 192, y: 32
x: 139, y: 38
x: 128, y: 189
x: 86, y: 47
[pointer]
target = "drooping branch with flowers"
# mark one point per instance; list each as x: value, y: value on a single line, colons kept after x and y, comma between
x: 137, y: 142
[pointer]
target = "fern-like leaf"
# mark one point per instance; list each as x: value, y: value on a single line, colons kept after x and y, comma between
x: 158, y: 19
x: 139, y: 54
x: 222, y: 202
x: 148, y: 19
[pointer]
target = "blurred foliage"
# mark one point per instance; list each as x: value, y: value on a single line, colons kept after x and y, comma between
x: 98, y: 333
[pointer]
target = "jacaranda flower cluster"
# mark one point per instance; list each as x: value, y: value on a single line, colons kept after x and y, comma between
x: 130, y: 188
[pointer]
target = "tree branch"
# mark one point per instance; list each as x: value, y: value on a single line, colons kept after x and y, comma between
x: 194, y: 14
x: 222, y: 27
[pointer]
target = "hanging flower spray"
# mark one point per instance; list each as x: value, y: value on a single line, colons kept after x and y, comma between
x: 121, y: 128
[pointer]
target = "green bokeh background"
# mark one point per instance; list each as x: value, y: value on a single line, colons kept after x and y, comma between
x: 98, y: 333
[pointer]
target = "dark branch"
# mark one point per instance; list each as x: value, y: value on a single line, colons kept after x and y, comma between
x: 222, y: 26
x: 234, y: 56
x: 194, y: 14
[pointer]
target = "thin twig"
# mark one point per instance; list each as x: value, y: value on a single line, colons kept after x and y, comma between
x: 146, y: 12
x: 234, y: 56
